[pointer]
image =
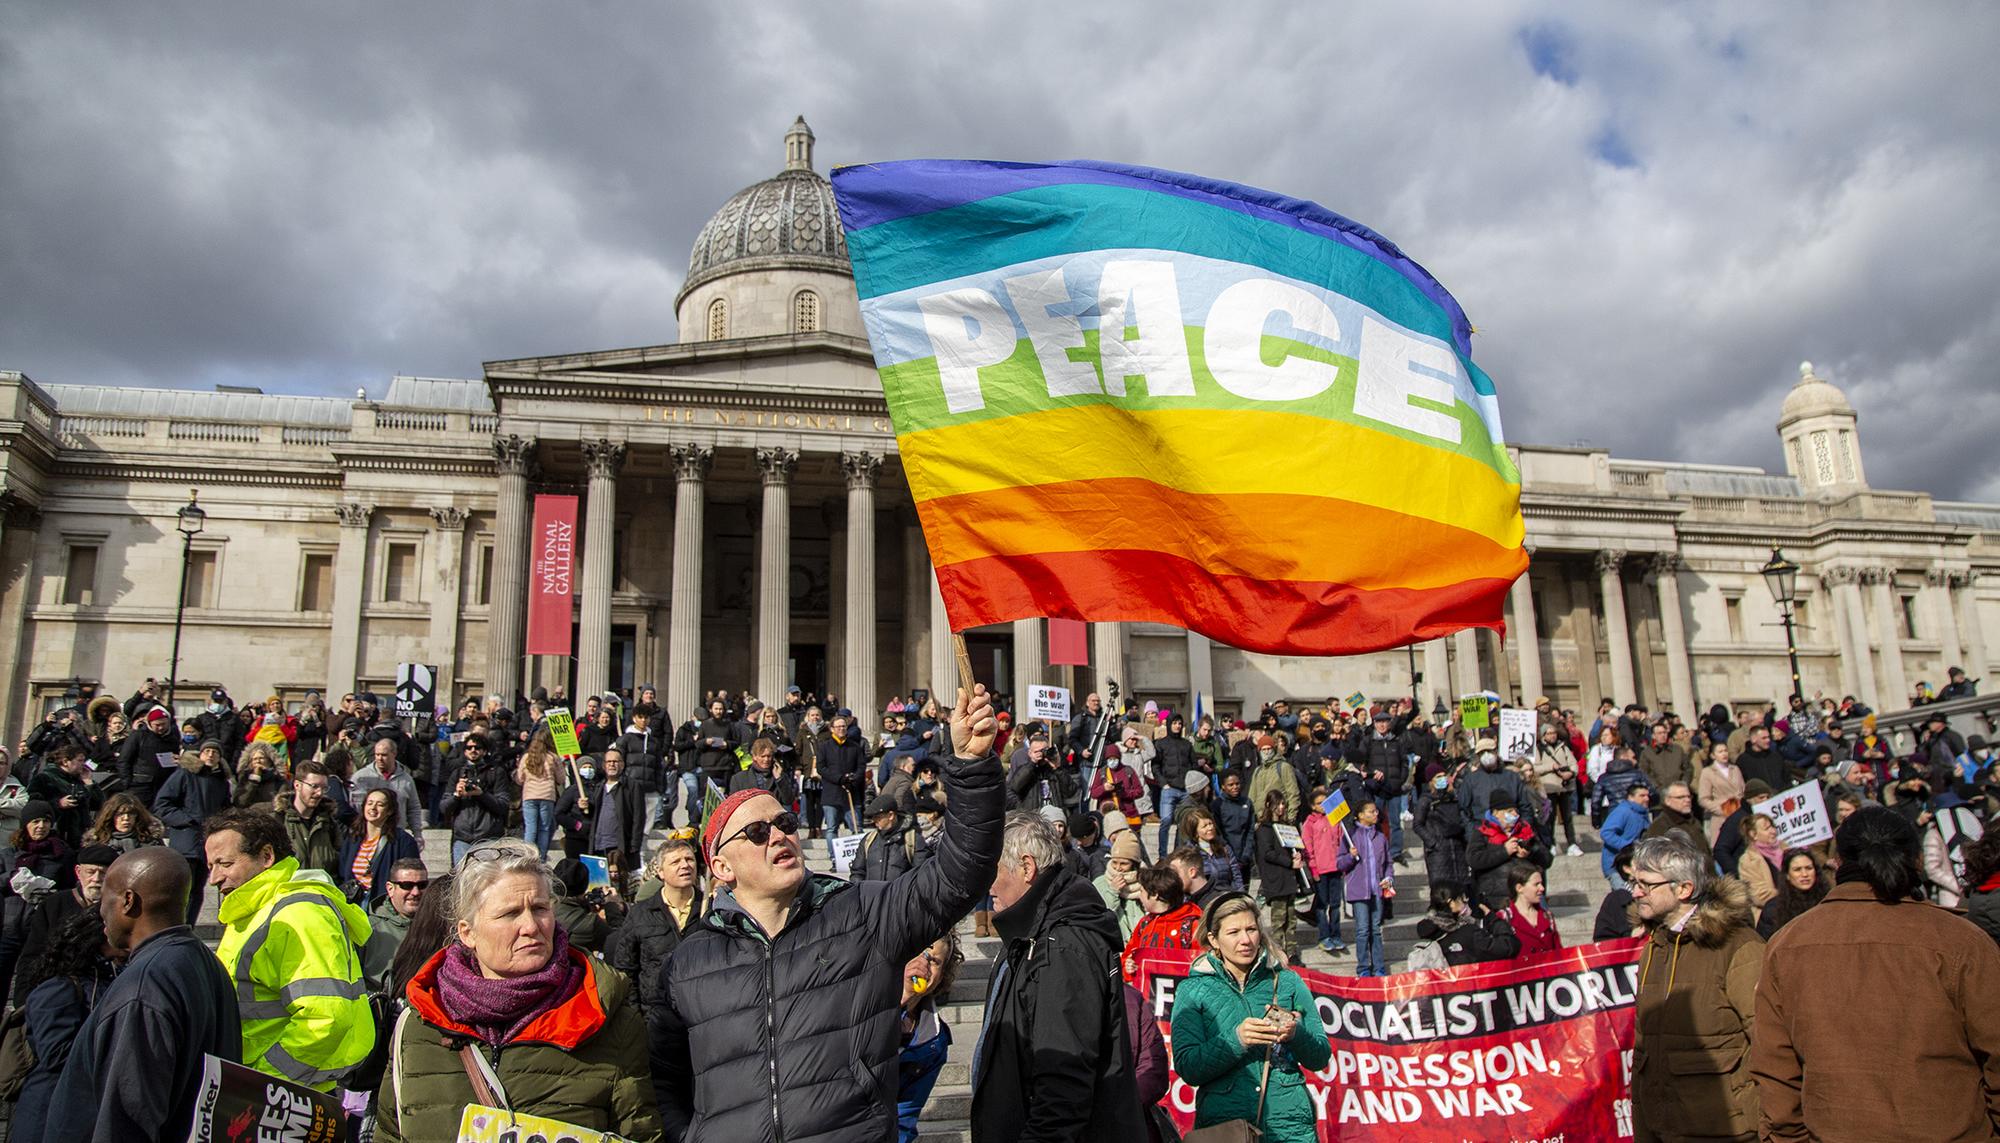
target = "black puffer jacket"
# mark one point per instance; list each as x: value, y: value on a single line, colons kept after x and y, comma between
x: 1053, y: 1059
x: 794, y: 1038
x: 640, y: 947
x: 1173, y: 757
x: 139, y: 771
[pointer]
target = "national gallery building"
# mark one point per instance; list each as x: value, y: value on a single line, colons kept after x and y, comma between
x: 745, y: 524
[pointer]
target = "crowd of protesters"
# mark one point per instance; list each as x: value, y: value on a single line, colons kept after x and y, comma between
x: 675, y: 971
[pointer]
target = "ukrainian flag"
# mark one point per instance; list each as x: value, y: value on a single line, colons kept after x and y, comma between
x: 1334, y: 807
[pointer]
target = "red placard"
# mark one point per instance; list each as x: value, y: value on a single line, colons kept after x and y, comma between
x: 1068, y: 644
x: 1539, y: 1048
x: 551, y: 575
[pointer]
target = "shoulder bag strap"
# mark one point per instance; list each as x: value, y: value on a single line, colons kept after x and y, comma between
x: 485, y: 1083
x: 1264, y: 1081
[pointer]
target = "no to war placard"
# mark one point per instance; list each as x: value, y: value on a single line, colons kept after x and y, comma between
x: 1531, y: 1049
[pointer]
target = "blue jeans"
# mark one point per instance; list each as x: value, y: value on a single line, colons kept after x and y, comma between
x: 1327, y: 898
x: 460, y: 848
x: 1368, y: 959
x: 1170, y: 798
x: 1392, y: 809
x: 538, y: 823
x: 691, y: 796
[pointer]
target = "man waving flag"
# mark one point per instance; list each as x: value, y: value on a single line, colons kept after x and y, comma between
x: 1284, y: 401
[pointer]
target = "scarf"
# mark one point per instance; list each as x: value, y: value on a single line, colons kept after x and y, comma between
x: 499, y: 1009
x: 1771, y: 852
x: 1990, y: 884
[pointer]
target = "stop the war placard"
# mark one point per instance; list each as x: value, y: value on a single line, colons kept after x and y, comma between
x: 1534, y: 1049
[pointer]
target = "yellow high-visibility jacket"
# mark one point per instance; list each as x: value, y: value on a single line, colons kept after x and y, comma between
x: 292, y: 946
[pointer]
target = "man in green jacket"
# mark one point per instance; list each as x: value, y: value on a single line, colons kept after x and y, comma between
x: 307, y: 815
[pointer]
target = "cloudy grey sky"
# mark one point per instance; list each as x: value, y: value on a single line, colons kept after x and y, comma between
x: 1651, y: 213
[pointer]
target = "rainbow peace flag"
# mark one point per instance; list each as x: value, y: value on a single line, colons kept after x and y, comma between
x: 1334, y: 807
x: 1283, y: 444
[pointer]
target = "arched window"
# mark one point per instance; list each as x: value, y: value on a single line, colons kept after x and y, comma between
x: 718, y: 319
x: 805, y: 312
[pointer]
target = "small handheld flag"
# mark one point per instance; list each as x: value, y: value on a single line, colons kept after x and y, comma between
x: 1334, y: 807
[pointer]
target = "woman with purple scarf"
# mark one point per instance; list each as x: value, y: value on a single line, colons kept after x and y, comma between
x: 510, y: 1016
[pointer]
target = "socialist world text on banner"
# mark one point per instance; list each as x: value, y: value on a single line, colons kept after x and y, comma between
x: 551, y: 575
x: 1539, y: 1048
x: 1069, y: 348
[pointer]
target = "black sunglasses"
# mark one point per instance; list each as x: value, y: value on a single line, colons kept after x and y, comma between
x: 759, y: 833
x: 411, y: 886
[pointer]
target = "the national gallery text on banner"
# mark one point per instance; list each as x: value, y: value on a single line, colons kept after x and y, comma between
x: 1533, y: 1049
x: 1129, y: 394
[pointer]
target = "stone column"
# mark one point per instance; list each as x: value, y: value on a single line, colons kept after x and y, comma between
x: 774, y: 575
x: 834, y: 512
x: 17, y: 559
x: 1847, y: 596
x: 507, y: 606
x: 1465, y: 659
x: 1031, y: 658
x: 1666, y: 569
x: 861, y: 469
x: 1437, y: 674
x: 1937, y: 585
x: 601, y: 459
x: 1837, y: 614
x: 1201, y: 675
x: 1965, y: 586
x: 916, y: 603
x: 691, y: 464
x: 1888, y: 635
x: 1527, y: 637
x: 447, y: 581
x: 1107, y: 651
x: 350, y: 577
x: 944, y: 662
x: 1617, y: 630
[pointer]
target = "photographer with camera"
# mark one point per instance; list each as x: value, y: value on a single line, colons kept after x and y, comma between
x: 477, y: 799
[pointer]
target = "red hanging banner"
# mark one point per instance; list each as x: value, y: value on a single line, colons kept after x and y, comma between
x: 551, y: 575
x: 1068, y: 644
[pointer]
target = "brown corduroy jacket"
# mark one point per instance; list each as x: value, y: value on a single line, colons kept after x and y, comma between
x: 1913, y: 1054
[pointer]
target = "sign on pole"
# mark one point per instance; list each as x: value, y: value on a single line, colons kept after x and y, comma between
x: 1799, y: 813
x: 1357, y: 701
x: 844, y: 848
x: 416, y: 690
x: 1472, y: 713
x: 562, y: 729
x: 1517, y: 734
x: 1048, y: 702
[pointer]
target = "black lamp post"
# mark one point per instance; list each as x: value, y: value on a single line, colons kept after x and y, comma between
x: 190, y: 523
x: 1441, y: 714
x: 1782, y: 576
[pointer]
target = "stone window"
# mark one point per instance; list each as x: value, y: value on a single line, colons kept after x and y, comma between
x: 316, y: 582
x: 80, y: 575
x: 204, y: 574
x: 482, y: 583
x: 718, y: 319
x: 399, y: 572
x: 805, y: 312
x: 1732, y: 607
x: 1906, y: 611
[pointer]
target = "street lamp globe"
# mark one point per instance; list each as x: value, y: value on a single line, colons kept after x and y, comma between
x: 1782, y: 576
x: 192, y: 517
x: 1441, y: 713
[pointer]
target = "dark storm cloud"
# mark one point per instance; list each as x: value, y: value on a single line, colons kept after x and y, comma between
x: 1651, y: 215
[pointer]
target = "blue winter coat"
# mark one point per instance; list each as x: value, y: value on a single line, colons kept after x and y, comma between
x: 1627, y: 822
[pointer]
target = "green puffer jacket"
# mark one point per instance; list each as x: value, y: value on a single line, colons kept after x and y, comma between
x: 583, y: 1062
x: 1207, y: 1008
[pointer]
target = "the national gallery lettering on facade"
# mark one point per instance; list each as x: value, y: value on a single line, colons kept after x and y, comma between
x: 745, y: 524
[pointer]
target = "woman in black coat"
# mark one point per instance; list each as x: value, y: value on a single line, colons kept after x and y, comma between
x: 650, y: 934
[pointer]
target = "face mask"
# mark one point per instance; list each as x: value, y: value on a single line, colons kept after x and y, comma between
x: 187, y: 740
x: 812, y: 724
x: 1507, y: 818
x: 1113, y: 763
x: 588, y: 772
x: 1440, y: 782
x: 215, y: 708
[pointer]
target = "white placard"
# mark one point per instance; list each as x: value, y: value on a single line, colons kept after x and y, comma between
x: 1049, y: 702
x: 844, y: 850
x: 1288, y: 835
x: 1517, y: 734
x: 1800, y: 814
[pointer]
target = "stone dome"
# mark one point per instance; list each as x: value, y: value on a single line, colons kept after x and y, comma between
x: 1813, y: 396
x: 788, y: 220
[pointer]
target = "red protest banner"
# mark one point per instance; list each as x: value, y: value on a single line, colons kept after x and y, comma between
x: 551, y: 575
x: 1534, y: 1049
